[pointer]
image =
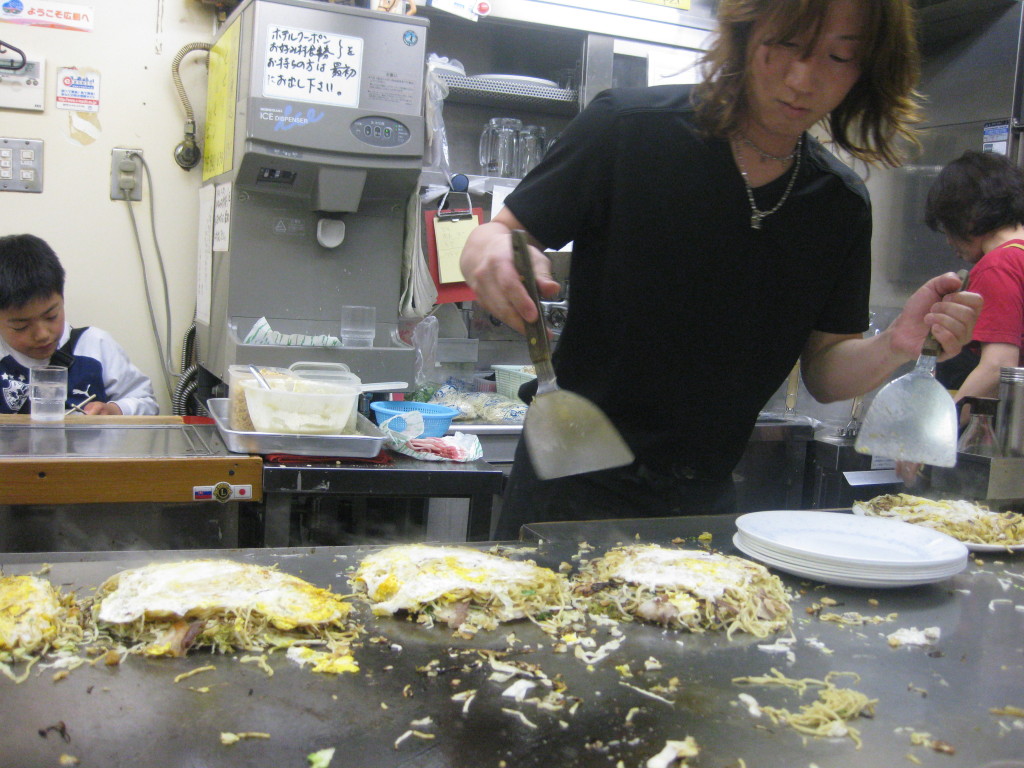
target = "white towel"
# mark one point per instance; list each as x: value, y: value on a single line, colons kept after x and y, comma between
x: 419, y: 294
x: 262, y: 333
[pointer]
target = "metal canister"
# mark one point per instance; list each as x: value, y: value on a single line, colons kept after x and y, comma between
x: 1010, y: 414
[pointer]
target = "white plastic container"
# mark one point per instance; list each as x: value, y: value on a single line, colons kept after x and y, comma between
x: 238, y: 410
x: 297, y: 406
x: 331, y: 373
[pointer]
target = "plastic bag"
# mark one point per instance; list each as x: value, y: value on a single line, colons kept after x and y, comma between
x: 436, y: 93
x: 424, y: 339
x: 480, y: 406
x: 458, y: 447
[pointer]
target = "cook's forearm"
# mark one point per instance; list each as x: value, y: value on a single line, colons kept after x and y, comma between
x: 837, y: 367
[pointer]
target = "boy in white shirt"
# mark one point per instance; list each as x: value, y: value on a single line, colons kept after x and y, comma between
x: 33, y: 332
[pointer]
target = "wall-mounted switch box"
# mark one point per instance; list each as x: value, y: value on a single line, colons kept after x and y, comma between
x: 23, y: 88
x: 21, y: 165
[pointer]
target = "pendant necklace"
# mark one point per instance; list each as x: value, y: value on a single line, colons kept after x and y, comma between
x: 756, y: 214
x: 766, y: 156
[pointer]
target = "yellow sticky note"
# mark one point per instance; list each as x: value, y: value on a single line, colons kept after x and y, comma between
x: 451, y: 236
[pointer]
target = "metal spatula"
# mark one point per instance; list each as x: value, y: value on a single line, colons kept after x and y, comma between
x: 565, y: 433
x: 913, y: 418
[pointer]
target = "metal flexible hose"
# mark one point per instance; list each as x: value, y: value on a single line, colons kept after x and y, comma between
x: 176, y: 75
x: 186, y: 386
x: 188, y: 347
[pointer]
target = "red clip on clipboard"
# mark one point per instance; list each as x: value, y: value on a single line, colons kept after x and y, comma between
x: 452, y: 224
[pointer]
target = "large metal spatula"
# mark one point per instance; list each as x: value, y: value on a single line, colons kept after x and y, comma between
x: 565, y: 433
x: 913, y: 418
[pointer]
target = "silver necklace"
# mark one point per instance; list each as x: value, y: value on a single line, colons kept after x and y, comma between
x: 756, y: 214
x: 765, y: 156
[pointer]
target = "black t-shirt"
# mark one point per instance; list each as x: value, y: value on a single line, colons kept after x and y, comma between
x: 683, y: 320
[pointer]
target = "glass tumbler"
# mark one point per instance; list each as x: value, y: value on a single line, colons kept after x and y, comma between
x: 48, y: 392
x: 532, y: 144
x: 358, y: 326
x: 499, y: 147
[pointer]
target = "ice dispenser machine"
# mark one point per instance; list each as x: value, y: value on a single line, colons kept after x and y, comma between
x: 314, y: 144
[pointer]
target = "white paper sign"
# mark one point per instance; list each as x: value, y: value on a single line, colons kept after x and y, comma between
x: 307, y: 65
x: 78, y: 90
x: 204, y: 254
x: 222, y: 217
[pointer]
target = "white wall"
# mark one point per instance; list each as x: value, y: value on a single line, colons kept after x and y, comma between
x: 132, y: 47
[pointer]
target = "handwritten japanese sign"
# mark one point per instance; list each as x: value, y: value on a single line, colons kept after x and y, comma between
x: 313, y: 66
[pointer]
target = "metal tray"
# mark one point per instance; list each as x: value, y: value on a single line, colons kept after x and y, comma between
x: 365, y: 445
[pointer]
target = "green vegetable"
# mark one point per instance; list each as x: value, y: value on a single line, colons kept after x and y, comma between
x: 321, y: 759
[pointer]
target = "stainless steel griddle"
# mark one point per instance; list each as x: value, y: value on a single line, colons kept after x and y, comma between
x: 136, y: 710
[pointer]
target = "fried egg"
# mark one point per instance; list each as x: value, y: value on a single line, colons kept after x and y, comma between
x: 702, y: 574
x: 412, y: 576
x: 29, y: 612
x: 198, y: 589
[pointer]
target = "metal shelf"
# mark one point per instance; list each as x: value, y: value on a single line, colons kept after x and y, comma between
x: 500, y: 93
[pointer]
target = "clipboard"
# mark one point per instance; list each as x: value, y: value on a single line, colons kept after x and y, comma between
x: 443, y: 244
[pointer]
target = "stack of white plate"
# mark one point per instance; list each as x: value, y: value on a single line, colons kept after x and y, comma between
x: 841, y: 548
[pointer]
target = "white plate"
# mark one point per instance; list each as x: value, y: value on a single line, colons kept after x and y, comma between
x: 974, y: 547
x: 842, y: 579
x: 841, y: 569
x: 831, y: 537
x: 518, y: 80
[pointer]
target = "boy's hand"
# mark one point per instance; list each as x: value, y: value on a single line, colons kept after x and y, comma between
x: 102, y: 409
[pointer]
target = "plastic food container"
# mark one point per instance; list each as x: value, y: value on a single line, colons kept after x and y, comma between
x: 436, y: 418
x: 296, y: 406
x: 238, y: 410
x: 332, y: 373
x: 511, y: 377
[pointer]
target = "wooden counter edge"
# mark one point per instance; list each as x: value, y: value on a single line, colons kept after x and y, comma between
x: 83, y: 480
x: 131, y: 421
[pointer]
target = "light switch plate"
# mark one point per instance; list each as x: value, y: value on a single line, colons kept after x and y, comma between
x: 21, y: 165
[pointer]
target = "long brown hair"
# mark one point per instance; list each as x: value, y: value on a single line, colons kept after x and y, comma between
x: 879, y: 112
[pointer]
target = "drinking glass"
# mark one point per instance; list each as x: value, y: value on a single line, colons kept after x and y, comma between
x: 48, y: 392
x: 358, y: 326
x: 499, y: 147
x: 532, y: 144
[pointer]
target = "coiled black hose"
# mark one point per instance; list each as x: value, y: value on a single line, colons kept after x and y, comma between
x: 188, y: 381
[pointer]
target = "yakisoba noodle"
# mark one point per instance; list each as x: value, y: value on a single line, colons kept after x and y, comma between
x: 829, y: 716
x: 685, y: 589
x: 34, y: 619
x: 963, y: 520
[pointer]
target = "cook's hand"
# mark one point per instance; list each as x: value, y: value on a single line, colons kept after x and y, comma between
x: 941, y: 307
x: 488, y: 267
x: 102, y: 409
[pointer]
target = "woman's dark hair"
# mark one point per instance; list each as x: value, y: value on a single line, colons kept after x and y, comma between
x: 29, y: 270
x: 874, y: 123
x: 978, y: 193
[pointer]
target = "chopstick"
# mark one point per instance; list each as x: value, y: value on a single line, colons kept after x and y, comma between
x: 78, y: 406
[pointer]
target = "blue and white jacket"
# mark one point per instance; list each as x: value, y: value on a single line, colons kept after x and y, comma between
x: 100, y: 367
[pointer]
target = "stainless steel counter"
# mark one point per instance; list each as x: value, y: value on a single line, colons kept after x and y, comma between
x: 946, y: 690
